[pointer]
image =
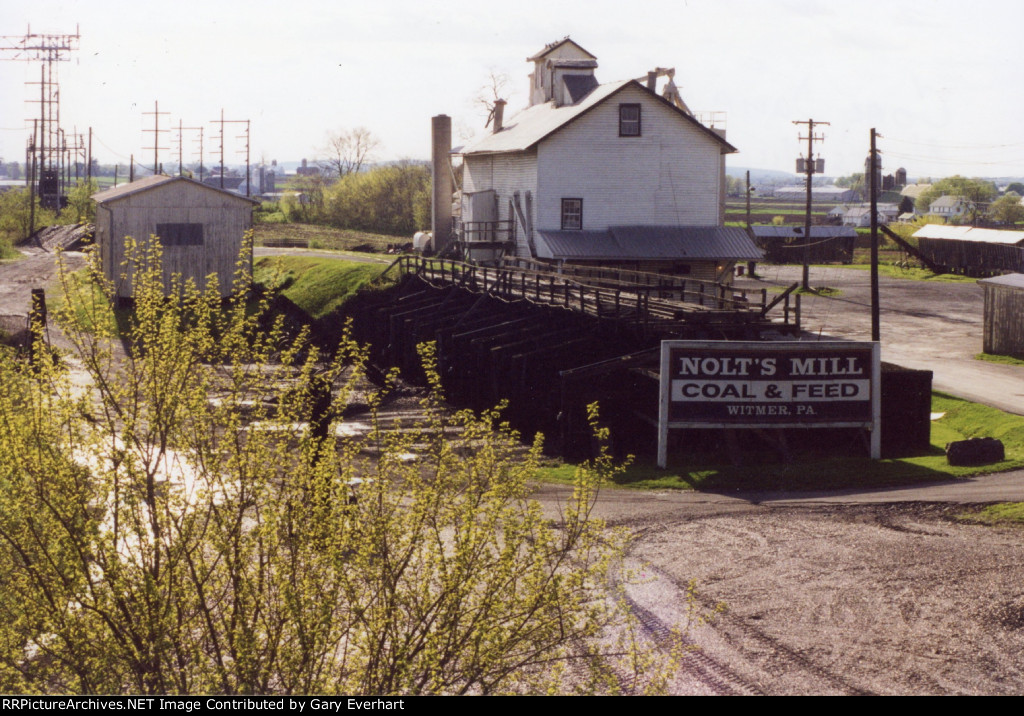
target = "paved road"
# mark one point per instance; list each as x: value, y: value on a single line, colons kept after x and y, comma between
x: 924, y: 324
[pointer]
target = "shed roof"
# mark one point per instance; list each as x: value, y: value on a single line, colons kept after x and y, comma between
x: 709, y: 243
x: 969, y: 233
x: 535, y: 123
x: 1013, y: 280
x: 157, y: 180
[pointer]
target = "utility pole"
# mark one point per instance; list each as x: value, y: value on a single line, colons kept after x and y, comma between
x: 156, y: 136
x: 876, y: 330
x: 809, y: 166
x: 48, y: 49
x: 181, y: 149
x: 222, y: 122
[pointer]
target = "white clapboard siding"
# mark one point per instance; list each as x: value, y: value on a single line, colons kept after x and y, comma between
x: 505, y: 174
x: 668, y: 176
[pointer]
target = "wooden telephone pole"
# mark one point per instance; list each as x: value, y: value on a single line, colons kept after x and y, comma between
x: 809, y: 167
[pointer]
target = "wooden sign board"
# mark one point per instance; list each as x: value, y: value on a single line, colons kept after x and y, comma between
x: 755, y: 384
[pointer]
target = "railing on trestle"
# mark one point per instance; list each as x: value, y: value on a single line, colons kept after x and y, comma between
x: 671, y: 299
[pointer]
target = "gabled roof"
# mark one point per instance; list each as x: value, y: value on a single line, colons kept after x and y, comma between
x: 156, y: 180
x: 536, y: 123
x: 552, y: 46
x: 623, y: 243
x: 948, y: 200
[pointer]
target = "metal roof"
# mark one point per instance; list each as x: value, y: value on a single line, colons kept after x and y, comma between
x: 969, y: 233
x: 787, y: 232
x: 535, y: 123
x: 150, y: 182
x: 1013, y: 280
x: 709, y: 243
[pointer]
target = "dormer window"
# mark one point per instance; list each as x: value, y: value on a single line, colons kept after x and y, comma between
x: 629, y: 120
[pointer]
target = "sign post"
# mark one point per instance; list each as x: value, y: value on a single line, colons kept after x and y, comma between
x: 753, y: 384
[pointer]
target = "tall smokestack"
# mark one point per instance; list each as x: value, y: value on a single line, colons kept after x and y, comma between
x: 499, y: 114
x: 441, y: 187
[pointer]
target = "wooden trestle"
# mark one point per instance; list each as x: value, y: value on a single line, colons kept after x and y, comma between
x: 550, y: 343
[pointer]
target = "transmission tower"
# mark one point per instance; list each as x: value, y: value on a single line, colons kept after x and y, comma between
x: 49, y: 147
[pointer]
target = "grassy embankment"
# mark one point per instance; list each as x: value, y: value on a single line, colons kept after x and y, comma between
x: 319, y: 287
x: 814, y: 470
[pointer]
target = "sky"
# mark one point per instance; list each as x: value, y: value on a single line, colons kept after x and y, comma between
x: 940, y: 80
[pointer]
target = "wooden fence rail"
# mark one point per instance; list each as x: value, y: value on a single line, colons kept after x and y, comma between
x: 630, y: 296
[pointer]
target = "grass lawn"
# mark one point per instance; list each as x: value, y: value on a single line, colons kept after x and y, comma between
x: 1005, y: 360
x: 1004, y: 513
x: 914, y: 273
x: 813, y: 469
x: 315, y: 236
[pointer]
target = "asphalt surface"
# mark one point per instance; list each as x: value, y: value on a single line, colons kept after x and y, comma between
x: 926, y: 325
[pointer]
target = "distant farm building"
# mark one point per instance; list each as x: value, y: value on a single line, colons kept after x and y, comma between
x: 836, y: 194
x: 785, y: 244
x: 1004, y: 305
x: 971, y: 251
x: 949, y: 206
x: 200, y: 228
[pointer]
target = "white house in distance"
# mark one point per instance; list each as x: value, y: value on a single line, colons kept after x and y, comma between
x: 949, y: 206
x: 602, y: 174
x: 200, y: 229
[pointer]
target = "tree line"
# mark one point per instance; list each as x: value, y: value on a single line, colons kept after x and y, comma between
x: 348, y: 191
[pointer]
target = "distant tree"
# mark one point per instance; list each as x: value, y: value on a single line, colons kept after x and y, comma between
x: 393, y: 199
x: 977, y: 191
x: 1007, y: 209
x: 498, y: 86
x: 1015, y: 187
x: 855, y: 182
x: 16, y: 214
x: 304, y: 198
x: 348, y: 151
x: 80, y: 209
x: 906, y: 205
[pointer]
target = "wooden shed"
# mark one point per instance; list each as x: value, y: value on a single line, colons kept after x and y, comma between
x: 786, y: 244
x: 1004, y: 315
x: 972, y: 251
x: 200, y: 229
